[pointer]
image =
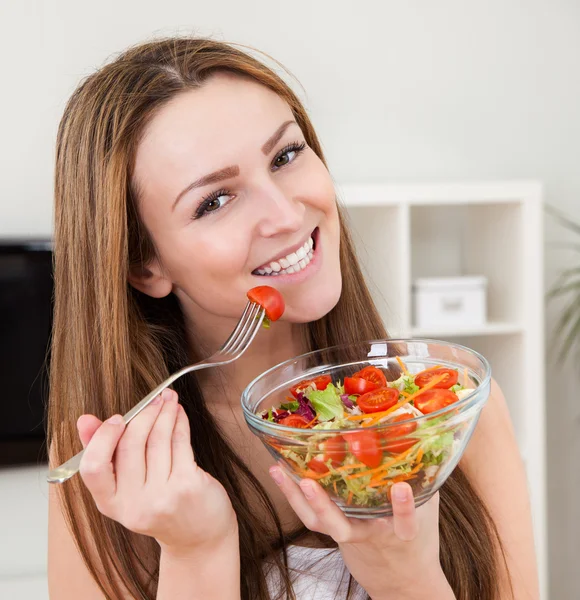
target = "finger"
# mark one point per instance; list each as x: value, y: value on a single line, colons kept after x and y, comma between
x: 130, y: 455
x: 182, y: 459
x: 87, y: 425
x: 96, y: 466
x: 296, y: 498
x: 405, y: 524
x: 158, y: 451
x: 331, y: 519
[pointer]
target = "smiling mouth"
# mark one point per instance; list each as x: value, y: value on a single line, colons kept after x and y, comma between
x: 293, y: 262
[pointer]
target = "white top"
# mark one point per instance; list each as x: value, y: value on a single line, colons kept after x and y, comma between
x: 317, y: 574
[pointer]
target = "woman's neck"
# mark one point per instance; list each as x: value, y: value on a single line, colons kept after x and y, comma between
x: 270, y: 347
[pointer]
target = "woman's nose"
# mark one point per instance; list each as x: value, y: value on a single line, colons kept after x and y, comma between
x: 278, y: 211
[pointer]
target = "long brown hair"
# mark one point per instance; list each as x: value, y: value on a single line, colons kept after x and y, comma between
x: 111, y: 344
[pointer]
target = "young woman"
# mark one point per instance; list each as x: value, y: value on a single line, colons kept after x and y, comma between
x: 184, y: 168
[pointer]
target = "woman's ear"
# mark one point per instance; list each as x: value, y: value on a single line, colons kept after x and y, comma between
x: 150, y: 280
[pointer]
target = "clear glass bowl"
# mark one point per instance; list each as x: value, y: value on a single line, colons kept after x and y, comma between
x: 424, y: 454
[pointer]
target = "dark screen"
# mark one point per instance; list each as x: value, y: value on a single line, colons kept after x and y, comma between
x: 25, y: 321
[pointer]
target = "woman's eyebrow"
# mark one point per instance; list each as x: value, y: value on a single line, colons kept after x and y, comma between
x: 214, y: 177
x: 233, y: 170
x: 275, y: 138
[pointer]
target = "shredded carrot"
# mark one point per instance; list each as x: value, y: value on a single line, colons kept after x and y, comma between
x: 308, y: 424
x: 402, y: 365
x: 349, y: 467
x: 310, y: 474
x: 380, y: 415
x: 419, y: 455
x: 403, y: 393
x: 433, y: 368
x: 334, y: 486
x: 389, y: 463
x: 349, y: 499
x: 403, y: 477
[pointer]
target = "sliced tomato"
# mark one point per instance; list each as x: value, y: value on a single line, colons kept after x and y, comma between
x: 434, y: 399
x: 365, y: 445
x: 425, y: 377
x: 378, y: 400
x: 334, y: 449
x: 321, y: 382
x: 358, y: 385
x: 269, y: 299
x: 394, y: 436
x: 372, y: 374
x: 297, y: 421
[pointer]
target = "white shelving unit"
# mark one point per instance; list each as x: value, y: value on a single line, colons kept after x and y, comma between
x: 404, y: 232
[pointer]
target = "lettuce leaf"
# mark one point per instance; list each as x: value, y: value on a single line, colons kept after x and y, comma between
x: 326, y: 403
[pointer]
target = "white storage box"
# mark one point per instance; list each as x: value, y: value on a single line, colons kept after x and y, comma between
x: 450, y: 302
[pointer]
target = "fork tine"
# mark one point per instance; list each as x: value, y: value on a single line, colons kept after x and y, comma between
x: 234, y: 334
x: 246, y: 338
x: 248, y: 332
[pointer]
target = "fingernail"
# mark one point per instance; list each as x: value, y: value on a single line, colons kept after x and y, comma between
x: 116, y: 420
x: 401, y: 493
x: 167, y: 394
x: 307, y: 489
x: 277, y: 476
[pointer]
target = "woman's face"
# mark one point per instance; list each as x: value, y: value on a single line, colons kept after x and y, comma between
x: 233, y: 198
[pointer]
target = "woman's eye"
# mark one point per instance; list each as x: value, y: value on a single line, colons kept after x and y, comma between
x: 288, y: 155
x: 216, y: 203
x: 213, y: 203
x: 285, y: 158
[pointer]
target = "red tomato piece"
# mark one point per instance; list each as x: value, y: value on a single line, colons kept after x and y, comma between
x: 317, y: 465
x: 358, y: 385
x: 425, y: 377
x: 378, y: 400
x: 372, y: 374
x: 365, y: 445
x: 321, y: 382
x: 269, y: 299
x: 297, y: 421
x: 334, y: 449
x: 434, y: 399
x: 392, y: 435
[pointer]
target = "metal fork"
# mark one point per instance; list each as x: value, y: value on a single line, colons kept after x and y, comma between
x: 238, y: 342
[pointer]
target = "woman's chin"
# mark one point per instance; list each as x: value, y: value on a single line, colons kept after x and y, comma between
x: 312, y: 307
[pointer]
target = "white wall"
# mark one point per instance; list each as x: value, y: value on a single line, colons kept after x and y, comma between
x: 409, y: 90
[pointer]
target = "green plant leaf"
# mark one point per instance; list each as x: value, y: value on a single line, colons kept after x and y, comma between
x: 563, y: 218
x: 561, y: 290
x: 563, y: 331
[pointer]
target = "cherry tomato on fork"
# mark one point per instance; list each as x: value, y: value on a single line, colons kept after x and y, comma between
x: 269, y: 299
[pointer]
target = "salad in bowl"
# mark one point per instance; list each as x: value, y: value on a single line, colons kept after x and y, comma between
x: 362, y: 417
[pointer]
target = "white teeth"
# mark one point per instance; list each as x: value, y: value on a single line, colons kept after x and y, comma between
x: 292, y: 258
x: 298, y: 260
